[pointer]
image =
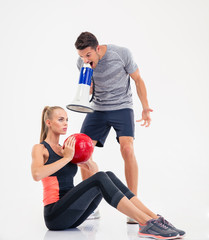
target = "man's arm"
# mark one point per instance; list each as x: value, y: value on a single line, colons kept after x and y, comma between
x: 142, y: 94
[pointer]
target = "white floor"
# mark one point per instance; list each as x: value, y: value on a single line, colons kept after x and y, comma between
x: 112, y: 225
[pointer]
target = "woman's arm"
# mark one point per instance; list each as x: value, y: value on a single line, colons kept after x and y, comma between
x: 39, y: 170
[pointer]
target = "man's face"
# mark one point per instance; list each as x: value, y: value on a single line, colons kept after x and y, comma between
x: 90, y: 55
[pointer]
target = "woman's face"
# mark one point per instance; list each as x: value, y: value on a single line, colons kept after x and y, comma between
x: 59, y: 122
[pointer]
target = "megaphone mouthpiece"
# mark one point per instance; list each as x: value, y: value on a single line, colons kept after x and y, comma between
x: 81, y: 100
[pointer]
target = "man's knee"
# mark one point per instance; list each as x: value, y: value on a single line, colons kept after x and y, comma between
x: 127, y: 149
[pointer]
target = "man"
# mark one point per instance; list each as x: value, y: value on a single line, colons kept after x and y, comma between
x: 113, y: 66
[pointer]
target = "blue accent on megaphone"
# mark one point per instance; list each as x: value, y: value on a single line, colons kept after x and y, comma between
x: 85, y: 76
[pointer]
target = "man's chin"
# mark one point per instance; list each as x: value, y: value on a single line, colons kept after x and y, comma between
x: 93, y: 64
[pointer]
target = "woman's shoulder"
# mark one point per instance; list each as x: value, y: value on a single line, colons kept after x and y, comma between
x: 38, y: 148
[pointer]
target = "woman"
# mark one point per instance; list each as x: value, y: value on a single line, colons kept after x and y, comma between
x: 66, y: 205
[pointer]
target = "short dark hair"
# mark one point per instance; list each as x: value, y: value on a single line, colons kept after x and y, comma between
x: 86, y: 39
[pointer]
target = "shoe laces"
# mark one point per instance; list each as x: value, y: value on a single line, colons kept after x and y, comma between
x: 161, y: 224
x: 164, y: 221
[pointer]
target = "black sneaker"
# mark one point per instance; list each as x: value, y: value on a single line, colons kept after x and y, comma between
x: 157, y: 230
x: 170, y: 226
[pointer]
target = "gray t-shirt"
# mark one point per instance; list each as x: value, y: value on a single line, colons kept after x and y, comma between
x: 112, y: 80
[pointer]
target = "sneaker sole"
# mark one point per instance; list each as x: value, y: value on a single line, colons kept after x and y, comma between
x: 132, y: 222
x: 144, y: 235
x: 181, y: 236
x: 92, y: 218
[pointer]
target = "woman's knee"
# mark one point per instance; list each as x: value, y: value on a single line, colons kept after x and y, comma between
x: 100, y: 174
x: 110, y: 174
x: 103, y: 177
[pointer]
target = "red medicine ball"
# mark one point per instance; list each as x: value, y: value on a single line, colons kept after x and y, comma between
x: 84, y: 148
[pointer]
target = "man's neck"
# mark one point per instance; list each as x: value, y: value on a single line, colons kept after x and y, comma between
x: 102, y: 51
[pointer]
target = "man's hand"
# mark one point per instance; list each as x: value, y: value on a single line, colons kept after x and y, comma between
x: 90, y: 165
x: 91, y: 88
x: 146, y: 117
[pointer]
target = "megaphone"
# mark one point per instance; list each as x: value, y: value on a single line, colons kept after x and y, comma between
x: 81, y: 101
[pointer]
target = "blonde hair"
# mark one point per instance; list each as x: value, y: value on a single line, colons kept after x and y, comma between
x: 46, y: 114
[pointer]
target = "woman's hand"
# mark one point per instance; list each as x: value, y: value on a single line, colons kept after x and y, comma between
x: 39, y: 170
x: 69, y: 148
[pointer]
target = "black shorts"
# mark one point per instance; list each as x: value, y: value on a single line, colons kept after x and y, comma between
x: 98, y: 124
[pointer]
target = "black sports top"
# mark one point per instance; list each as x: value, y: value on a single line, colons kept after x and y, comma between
x: 56, y: 185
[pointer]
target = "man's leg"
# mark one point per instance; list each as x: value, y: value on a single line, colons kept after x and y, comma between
x: 131, y: 166
x: 96, y: 127
x: 85, y: 173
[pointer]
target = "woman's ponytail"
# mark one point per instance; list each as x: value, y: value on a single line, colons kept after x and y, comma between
x: 46, y: 114
x: 43, y: 125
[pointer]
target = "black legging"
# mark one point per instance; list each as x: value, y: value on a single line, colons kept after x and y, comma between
x: 78, y: 203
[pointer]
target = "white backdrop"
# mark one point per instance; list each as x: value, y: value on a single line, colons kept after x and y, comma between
x: 169, y: 41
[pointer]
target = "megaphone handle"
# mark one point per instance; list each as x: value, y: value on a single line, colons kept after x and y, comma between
x: 92, y: 96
